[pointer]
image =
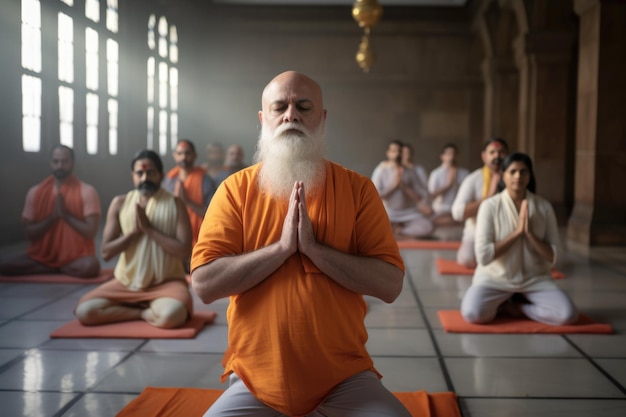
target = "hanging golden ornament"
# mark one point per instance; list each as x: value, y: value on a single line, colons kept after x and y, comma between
x: 367, y: 13
x: 365, y: 55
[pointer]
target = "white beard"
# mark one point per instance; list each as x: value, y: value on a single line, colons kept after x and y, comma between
x: 289, y: 156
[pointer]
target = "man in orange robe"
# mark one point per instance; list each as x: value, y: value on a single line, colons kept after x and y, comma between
x: 295, y: 241
x: 191, y: 184
x: 61, y: 217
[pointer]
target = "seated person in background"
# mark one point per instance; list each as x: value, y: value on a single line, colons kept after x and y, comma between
x: 234, y: 159
x: 191, y: 184
x: 400, y: 190
x: 409, y: 163
x: 443, y: 184
x: 215, y: 165
x: 149, y: 228
x: 517, y: 242
x: 295, y: 241
x: 475, y: 188
x: 61, y: 215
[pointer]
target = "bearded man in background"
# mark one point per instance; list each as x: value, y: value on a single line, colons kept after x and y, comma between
x: 61, y: 218
x: 295, y: 241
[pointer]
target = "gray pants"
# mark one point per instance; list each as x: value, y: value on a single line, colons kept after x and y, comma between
x: 362, y: 395
x: 480, y: 305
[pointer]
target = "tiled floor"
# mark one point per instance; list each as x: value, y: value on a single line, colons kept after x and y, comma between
x: 494, y: 375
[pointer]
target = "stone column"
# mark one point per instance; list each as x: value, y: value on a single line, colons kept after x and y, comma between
x: 546, y: 118
x: 599, y: 216
x: 501, y: 99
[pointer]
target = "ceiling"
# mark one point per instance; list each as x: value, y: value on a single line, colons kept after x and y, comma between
x: 428, y: 3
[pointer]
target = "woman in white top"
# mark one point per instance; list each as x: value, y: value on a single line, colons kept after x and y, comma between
x: 517, y: 243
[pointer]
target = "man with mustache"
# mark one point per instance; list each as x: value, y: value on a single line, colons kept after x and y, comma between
x: 190, y: 183
x: 475, y: 188
x: 61, y: 217
x: 295, y: 241
x: 149, y: 229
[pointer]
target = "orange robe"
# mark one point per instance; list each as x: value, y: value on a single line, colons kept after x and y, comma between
x: 61, y: 244
x: 193, y: 190
x: 297, y: 334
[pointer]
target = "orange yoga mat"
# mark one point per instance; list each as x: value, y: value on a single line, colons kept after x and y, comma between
x: 428, y: 244
x: 176, y: 402
x: 136, y: 329
x: 105, y: 275
x: 450, y: 267
x: 453, y: 322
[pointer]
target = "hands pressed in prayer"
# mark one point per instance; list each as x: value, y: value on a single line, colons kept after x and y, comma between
x: 179, y: 190
x: 493, y: 183
x: 297, y: 231
x: 143, y: 224
x: 59, y: 211
x: 452, y: 173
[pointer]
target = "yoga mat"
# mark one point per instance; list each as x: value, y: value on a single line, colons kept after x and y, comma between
x: 136, y: 329
x: 453, y: 322
x: 450, y: 267
x: 428, y: 244
x: 105, y: 275
x: 177, y: 402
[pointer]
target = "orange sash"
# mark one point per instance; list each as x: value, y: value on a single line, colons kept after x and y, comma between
x: 193, y: 189
x: 486, y: 180
x: 61, y: 244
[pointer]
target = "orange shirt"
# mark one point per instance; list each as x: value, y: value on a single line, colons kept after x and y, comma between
x: 61, y: 244
x: 194, y: 191
x: 297, y: 334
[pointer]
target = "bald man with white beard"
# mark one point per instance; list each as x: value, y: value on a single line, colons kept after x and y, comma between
x: 295, y: 241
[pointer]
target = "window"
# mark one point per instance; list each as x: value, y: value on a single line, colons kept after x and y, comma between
x: 31, y: 78
x: 70, y: 22
x: 162, y: 88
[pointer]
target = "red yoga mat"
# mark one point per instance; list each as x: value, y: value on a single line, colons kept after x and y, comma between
x: 453, y: 322
x: 428, y: 244
x: 105, y: 275
x: 450, y: 267
x: 176, y: 402
x: 136, y: 329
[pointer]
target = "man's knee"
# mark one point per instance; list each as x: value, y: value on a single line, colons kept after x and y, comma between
x: 87, y: 312
x: 168, y: 313
x: 86, y: 267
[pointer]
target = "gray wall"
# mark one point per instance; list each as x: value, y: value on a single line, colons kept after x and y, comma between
x: 425, y: 87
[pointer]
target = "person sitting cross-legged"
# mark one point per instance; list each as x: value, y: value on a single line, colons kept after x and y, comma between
x: 150, y: 231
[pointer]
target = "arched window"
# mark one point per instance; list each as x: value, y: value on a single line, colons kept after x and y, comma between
x: 162, y: 91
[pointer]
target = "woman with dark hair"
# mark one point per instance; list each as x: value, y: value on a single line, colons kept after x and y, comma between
x: 517, y: 243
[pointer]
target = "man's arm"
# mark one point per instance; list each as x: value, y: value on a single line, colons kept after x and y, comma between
x: 471, y: 208
x: 113, y: 241
x: 180, y: 244
x: 450, y: 183
x: 361, y: 274
x: 236, y: 274
x: 378, y: 179
x: 87, y: 228
x: 35, y: 231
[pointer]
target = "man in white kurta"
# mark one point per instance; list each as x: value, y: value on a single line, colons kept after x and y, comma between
x: 400, y: 190
x: 476, y: 187
x: 445, y: 180
x: 520, y: 269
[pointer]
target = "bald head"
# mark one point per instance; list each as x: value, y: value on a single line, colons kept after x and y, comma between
x: 292, y: 97
x: 289, y: 83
